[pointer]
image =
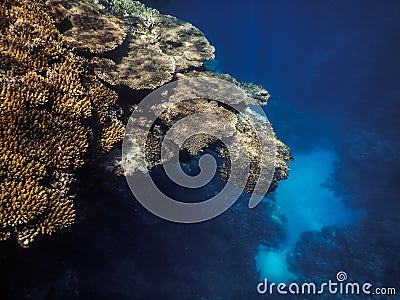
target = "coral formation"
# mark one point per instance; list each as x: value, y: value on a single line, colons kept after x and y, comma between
x: 221, y: 123
x: 44, y: 97
x: 180, y: 40
x: 147, y: 67
x: 257, y: 95
x: 28, y: 38
x: 112, y: 134
x: 56, y: 111
x: 157, y: 46
x: 91, y: 30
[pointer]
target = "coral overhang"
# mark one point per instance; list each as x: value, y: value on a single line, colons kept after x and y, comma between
x: 57, y: 58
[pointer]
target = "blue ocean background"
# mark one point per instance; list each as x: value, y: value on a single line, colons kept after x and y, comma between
x: 333, y: 71
x: 332, y: 68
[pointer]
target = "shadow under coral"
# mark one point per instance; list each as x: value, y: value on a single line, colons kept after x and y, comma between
x: 118, y: 250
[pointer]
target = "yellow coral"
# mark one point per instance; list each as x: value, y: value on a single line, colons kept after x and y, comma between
x: 61, y: 214
x: 112, y: 134
x: 21, y: 202
x: 4, y: 235
x: 28, y: 37
x: 45, y: 93
x: 103, y: 99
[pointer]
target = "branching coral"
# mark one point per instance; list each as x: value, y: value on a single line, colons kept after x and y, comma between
x: 112, y: 134
x: 45, y: 94
x: 28, y: 38
x: 56, y: 112
x: 134, y: 11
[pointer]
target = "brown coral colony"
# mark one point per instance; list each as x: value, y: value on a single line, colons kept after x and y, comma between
x: 44, y: 96
x: 61, y: 63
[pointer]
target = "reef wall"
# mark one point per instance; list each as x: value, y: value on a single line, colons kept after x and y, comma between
x: 63, y: 68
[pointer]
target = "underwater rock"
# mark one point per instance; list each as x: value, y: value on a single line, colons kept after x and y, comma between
x: 53, y: 115
x: 351, y: 246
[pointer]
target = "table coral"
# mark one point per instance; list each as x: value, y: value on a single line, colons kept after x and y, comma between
x: 45, y: 94
x: 147, y: 67
x: 90, y: 30
x: 57, y: 113
x: 257, y: 95
x: 220, y: 122
x: 155, y: 48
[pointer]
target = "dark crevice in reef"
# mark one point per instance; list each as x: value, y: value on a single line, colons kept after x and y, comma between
x: 118, y: 53
x: 193, y: 68
x: 240, y: 106
x: 85, y: 54
x: 128, y: 99
x: 64, y: 25
x: 128, y: 96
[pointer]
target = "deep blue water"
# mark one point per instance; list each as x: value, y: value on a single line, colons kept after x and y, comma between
x: 332, y: 68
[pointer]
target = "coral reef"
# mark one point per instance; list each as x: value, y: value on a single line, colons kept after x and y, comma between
x: 222, y: 122
x: 45, y: 96
x: 180, y: 40
x: 156, y: 47
x: 56, y: 112
x: 257, y: 94
x: 146, y: 67
x: 91, y: 30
